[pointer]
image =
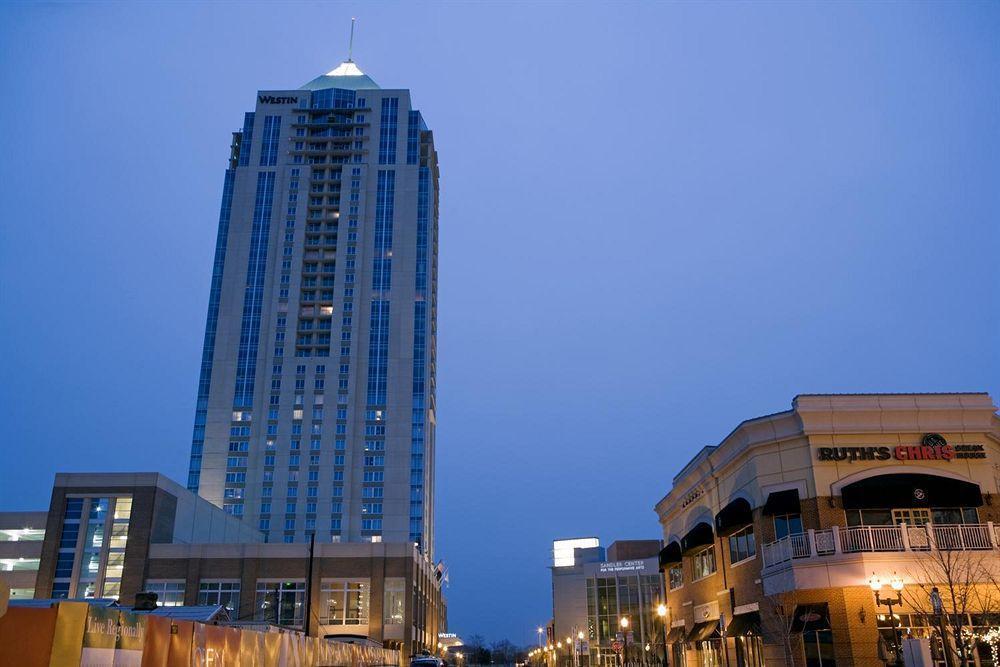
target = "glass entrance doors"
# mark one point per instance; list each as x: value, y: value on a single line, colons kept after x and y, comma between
x: 911, y: 516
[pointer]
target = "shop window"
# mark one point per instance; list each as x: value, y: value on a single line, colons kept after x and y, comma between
x: 787, y: 524
x: 679, y: 655
x: 818, y: 646
x: 709, y: 653
x: 749, y: 651
x: 392, y: 606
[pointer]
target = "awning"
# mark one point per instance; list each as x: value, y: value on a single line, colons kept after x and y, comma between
x: 699, y: 536
x: 809, y: 617
x: 676, y: 635
x: 733, y: 517
x: 782, y: 502
x: 744, y: 625
x: 702, y: 631
x: 910, y: 490
x: 670, y: 554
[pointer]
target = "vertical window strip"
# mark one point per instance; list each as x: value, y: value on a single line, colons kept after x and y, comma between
x: 211, y: 325
x: 269, y: 141
x: 419, y: 363
x: 413, y: 138
x: 388, y: 127
x: 246, y: 365
x: 378, y: 333
x: 247, y: 140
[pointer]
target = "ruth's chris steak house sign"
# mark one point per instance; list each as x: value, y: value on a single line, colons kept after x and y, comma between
x: 932, y: 447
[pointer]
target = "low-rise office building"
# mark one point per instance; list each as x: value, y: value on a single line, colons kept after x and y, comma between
x: 593, y: 590
x: 113, y: 535
x: 776, y: 537
x: 21, y: 535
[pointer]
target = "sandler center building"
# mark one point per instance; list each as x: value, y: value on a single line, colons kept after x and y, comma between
x: 785, y: 542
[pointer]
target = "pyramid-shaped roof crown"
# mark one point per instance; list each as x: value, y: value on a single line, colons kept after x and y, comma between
x: 345, y: 75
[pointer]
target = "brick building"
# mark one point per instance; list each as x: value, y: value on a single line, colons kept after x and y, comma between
x: 112, y: 535
x: 776, y: 537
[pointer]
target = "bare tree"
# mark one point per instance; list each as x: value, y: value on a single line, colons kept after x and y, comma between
x: 777, y: 619
x: 964, y: 582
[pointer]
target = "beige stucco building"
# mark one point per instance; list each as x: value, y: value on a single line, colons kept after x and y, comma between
x: 774, y: 536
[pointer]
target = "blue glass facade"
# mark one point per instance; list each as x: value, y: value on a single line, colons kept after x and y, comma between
x: 378, y: 336
x: 417, y: 443
x: 333, y: 98
x: 413, y: 127
x: 212, y: 321
x: 247, y: 139
x: 388, y: 126
x: 269, y: 142
x: 246, y: 367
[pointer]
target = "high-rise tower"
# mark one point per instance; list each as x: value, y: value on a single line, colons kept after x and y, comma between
x: 316, y: 408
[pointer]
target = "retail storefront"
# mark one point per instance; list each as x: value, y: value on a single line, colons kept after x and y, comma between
x: 777, y: 537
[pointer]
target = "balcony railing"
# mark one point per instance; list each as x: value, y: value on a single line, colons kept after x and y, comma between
x: 873, y: 539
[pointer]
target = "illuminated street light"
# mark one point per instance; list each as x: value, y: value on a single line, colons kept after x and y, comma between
x: 661, y: 611
x: 896, y: 583
x: 623, y: 622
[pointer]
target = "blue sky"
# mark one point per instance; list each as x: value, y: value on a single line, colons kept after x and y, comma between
x: 657, y: 220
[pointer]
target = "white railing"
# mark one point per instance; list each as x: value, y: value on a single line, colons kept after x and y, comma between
x: 963, y: 537
x: 870, y: 539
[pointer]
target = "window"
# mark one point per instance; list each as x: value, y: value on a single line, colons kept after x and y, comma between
x: 749, y: 651
x: 742, y: 545
x: 344, y: 602
x: 226, y: 593
x: 818, y: 646
x: 280, y: 602
x: 703, y: 563
x: 392, y: 607
x: 787, y: 524
x: 676, y: 576
x: 709, y: 653
x: 168, y: 593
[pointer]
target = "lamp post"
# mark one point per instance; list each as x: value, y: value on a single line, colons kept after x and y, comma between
x: 540, y: 631
x: 578, y: 649
x: 897, y: 585
x: 661, y: 611
x: 623, y: 622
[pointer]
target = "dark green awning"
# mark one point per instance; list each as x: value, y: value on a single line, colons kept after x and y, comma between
x: 744, y: 625
x: 782, y: 502
x: 699, y: 536
x: 676, y: 635
x: 670, y: 555
x: 702, y: 631
x: 733, y: 517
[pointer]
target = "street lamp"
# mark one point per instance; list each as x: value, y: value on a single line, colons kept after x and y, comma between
x: 896, y: 583
x: 540, y: 631
x: 623, y: 622
x: 661, y: 611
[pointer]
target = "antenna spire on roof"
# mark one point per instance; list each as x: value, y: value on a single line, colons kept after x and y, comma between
x: 350, y: 44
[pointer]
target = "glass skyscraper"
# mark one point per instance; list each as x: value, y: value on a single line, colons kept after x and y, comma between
x: 316, y: 408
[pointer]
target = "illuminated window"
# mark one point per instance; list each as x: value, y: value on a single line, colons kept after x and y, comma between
x: 703, y: 563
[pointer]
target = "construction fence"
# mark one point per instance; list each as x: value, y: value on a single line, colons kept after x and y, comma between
x: 69, y: 634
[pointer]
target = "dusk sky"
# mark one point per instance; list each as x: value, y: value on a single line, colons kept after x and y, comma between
x: 657, y: 220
